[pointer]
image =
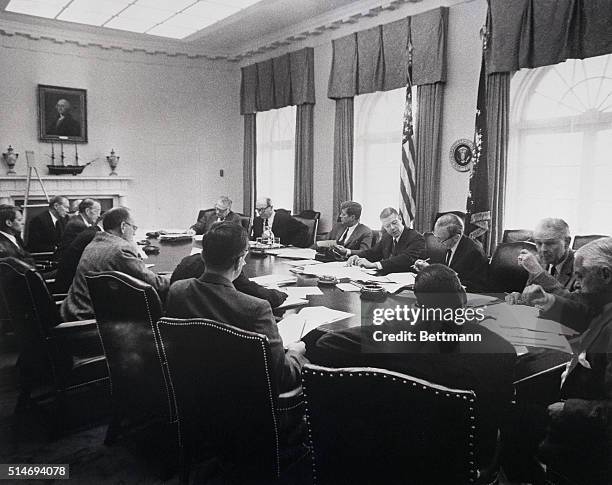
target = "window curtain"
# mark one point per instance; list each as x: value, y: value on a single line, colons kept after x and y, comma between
x: 343, y: 153
x: 304, y: 143
x: 248, y: 170
x: 428, y: 147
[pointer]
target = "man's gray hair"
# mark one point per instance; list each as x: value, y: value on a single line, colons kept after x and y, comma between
x: 597, y: 253
x: 559, y: 226
x: 388, y: 211
x: 451, y: 222
x: 225, y: 200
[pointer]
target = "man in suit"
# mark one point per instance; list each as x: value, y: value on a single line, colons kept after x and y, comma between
x: 11, y: 225
x: 67, y: 265
x: 552, y: 269
x: 89, y: 212
x: 477, y: 359
x: 46, y: 229
x: 214, y: 296
x: 112, y: 249
x: 578, y: 443
x: 64, y: 124
x: 397, y: 250
x: 223, y: 212
x: 280, y: 223
x: 350, y: 234
x: 463, y: 254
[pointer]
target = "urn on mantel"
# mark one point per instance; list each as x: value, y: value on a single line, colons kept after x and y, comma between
x: 113, y: 161
x: 10, y: 158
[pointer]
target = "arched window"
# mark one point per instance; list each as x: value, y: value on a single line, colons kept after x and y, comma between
x: 560, y: 154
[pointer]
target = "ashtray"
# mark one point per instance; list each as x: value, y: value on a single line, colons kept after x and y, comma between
x: 327, y: 280
x: 151, y: 249
x: 373, y: 292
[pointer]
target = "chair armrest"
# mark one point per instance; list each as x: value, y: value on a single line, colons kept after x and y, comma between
x: 59, y: 296
x: 42, y: 255
x: 76, y: 326
x: 291, y: 399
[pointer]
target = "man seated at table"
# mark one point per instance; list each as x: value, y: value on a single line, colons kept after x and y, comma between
x: 222, y: 212
x: 484, y: 362
x: 552, y: 268
x: 214, y: 296
x: 349, y: 233
x: 112, y: 249
x: 464, y: 255
x: 280, y: 223
x: 89, y: 211
x: 578, y: 443
x: 11, y: 225
x: 45, y: 231
x: 398, y: 248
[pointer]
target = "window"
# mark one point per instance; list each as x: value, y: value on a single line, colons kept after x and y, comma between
x: 276, y: 156
x: 560, y: 154
x: 377, y: 153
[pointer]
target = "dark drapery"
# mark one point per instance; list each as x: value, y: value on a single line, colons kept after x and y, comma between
x: 343, y: 153
x: 248, y: 169
x: 304, y: 144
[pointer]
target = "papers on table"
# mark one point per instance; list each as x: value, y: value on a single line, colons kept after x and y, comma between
x: 398, y: 280
x: 274, y: 280
x: 293, y: 253
x: 195, y: 251
x: 149, y: 265
x: 327, y: 243
x: 348, y: 287
x: 293, y: 327
x: 301, y: 291
x: 302, y: 262
x: 292, y: 302
x: 340, y: 270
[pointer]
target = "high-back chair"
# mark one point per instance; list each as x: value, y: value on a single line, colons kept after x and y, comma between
x: 505, y: 274
x: 127, y: 310
x: 370, y: 426
x: 580, y: 241
x: 435, y: 251
x: 225, y: 397
x: 312, y: 225
x: 517, y: 235
x: 55, y: 357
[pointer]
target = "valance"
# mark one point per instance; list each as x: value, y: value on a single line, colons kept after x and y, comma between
x: 534, y: 33
x: 286, y: 80
x: 376, y: 59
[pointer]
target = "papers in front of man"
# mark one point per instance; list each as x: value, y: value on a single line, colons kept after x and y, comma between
x: 301, y: 291
x: 339, y: 270
x: 293, y: 327
x: 272, y: 280
x: 329, y: 243
x: 397, y: 281
x: 293, y: 253
x: 302, y: 262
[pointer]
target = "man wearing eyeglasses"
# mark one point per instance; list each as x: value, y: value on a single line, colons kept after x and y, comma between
x: 461, y: 253
x: 112, y: 249
x: 289, y: 230
x: 222, y: 213
x: 398, y: 248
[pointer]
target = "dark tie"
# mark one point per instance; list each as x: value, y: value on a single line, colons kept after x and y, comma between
x: 553, y: 270
x: 58, y: 231
x: 447, y: 258
x: 342, y: 239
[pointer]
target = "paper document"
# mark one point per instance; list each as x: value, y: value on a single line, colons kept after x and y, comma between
x: 149, y: 265
x: 274, y: 280
x: 293, y: 327
x: 327, y: 243
x: 195, y: 251
x: 292, y: 302
x: 293, y: 253
x: 302, y: 262
x: 341, y: 271
x: 301, y: 291
x: 348, y: 287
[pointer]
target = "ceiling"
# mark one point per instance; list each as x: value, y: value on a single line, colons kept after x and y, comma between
x: 227, y: 36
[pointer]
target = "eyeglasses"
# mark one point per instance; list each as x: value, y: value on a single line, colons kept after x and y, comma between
x: 133, y: 226
x: 442, y: 241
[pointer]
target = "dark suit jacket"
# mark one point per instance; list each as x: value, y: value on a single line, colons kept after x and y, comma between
x: 487, y: 367
x: 561, y: 283
x: 8, y: 249
x: 361, y: 238
x: 289, y: 230
x: 42, y: 233
x: 193, y: 267
x: 398, y: 259
x: 212, y: 296
x: 207, y: 220
x: 67, y: 266
x: 74, y: 227
x: 471, y: 264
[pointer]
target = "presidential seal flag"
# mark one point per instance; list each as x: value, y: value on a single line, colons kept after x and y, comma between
x: 407, y: 170
x: 478, y: 202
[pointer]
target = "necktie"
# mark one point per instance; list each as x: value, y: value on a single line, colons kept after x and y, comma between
x: 553, y: 270
x: 447, y: 258
x: 342, y: 239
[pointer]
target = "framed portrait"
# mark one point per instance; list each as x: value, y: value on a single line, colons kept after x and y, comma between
x: 62, y: 114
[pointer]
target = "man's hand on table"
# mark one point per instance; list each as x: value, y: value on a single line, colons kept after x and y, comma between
x: 535, y: 295
x: 361, y: 262
x: 555, y: 410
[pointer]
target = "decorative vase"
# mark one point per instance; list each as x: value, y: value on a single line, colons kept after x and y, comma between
x: 10, y: 158
x: 113, y: 161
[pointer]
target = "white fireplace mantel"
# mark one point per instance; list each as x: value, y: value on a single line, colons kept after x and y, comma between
x: 13, y: 187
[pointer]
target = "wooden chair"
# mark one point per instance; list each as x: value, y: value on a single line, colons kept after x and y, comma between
x: 505, y: 274
x: 580, y: 241
x: 312, y: 225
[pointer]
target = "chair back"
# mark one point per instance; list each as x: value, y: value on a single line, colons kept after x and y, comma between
x: 505, y: 274
x: 516, y: 235
x: 580, y: 241
x: 204, y: 212
x: 225, y: 395
x: 127, y: 310
x: 312, y: 225
x: 435, y: 251
x: 310, y: 214
x: 246, y: 222
x: 376, y: 235
x: 371, y: 425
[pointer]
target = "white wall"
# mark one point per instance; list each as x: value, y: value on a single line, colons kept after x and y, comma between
x: 174, y: 121
x: 464, y: 49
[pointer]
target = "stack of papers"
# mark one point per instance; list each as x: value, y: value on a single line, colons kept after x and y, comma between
x: 293, y: 253
x: 273, y: 280
x: 398, y: 280
x: 340, y: 270
x: 297, y: 295
x: 293, y: 327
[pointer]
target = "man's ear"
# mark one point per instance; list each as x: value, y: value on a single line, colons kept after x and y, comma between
x: 605, y: 274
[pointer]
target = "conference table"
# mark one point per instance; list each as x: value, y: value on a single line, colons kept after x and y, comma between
x: 519, y: 320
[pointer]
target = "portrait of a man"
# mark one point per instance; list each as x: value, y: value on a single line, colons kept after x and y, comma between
x: 62, y: 113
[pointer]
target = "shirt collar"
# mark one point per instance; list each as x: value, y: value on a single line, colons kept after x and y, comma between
x: 85, y: 220
x: 53, y: 218
x: 11, y: 237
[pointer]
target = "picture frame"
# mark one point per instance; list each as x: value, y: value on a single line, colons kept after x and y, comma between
x: 62, y: 114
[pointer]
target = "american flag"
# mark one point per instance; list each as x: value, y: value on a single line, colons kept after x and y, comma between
x: 407, y: 170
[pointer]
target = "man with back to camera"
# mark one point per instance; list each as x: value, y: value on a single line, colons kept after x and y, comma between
x: 398, y: 248
x: 112, y: 249
x: 64, y: 124
x: 223, y: 212
x: 349, y: 233
x: 463, y: 254
x: 214, y: 296
x: 281, y: 223
x: 45, y: 231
